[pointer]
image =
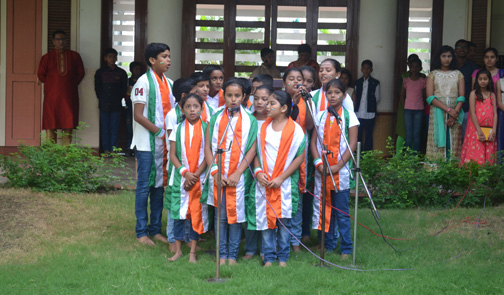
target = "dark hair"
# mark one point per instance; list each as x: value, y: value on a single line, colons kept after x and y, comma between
x: 266, y: 87
x: 263, y: 78
x: 266, y: 51
x: 247, y: 86
x: 461, y: 41
x: 367, y: 62
x: 184, y: 100
x: 283, y: 98
x: 492, y: 50
x: 290, y: 71
x: 471, y: 44
x: 477, y: 88
x: 153, y: 50
x: 304, y: 48
x: 312, y: 71
x: 412, y: 57
x: 210, y: 68
x: 336, y: 83
x: 233, y: 81
x: 181, y: 86
x: 418, y: 61
x: 58, y: 32
x: 336, y: 64
x: 134, y: 64
x: 199, y: 76
x: 349, y: 74
x: 109, y: 51
x: 436, y: 61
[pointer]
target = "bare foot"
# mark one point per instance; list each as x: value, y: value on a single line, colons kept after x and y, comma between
x: 146, y: 241
x: 172, y: 247
x: 192, y: 257
x: 296, y: 248
x: 268, y: 264
x: 198, y: 248
x: 344, y: 256
x: 160, y: 238
x: 222, y: 261
x: 283, y: 264
x: 232, y: 262
x: 176, y: 256
x: 247, y: 257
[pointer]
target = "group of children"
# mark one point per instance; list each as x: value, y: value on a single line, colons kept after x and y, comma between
x: 270, y: 154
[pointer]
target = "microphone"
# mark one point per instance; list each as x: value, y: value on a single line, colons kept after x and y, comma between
x: 333, y: 112
x: 233, y: 110
x: 303, y: 93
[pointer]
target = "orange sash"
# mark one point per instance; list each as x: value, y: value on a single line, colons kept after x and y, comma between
x: 332, y: 136
x: 301, y: 120
x: 192, y: 148
x: 322, y: 101
x: 203, y: 114
x: 233, y: 163
x: 249, y: 104
x: 274, y: 195
x: 222, y: 101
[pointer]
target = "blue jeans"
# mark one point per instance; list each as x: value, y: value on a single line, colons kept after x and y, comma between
x: 109, y: 127
x: 413, y: 124
x: 269, y: 242
x: 366, y: 126
x: 340, y: 200
x: 295, y: 223
x: 332, y: 236
x: 169, y: 229
x: 143, y: 191
x: 307, y: 214
x: 228, y: 251
x: 251, y: 239
x: 180, y: 228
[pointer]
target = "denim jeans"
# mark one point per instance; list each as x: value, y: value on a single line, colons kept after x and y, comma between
x: 109, y: 127
x: 413, y: 124
x: 169, y: 229
x: 180, y: 228
x: 251, y: 239
x: 366, y: 126
x: 231, y: 231
x: 307, y: 214
x: 143, y: 191
x: 340, y: 200
x: 332, y: 236
x: 296, y: 221
x: 269, y: 242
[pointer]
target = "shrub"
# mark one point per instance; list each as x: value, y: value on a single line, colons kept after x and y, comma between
x: 51, y: 167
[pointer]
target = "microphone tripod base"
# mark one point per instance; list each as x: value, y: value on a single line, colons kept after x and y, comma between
x: 215, y: 280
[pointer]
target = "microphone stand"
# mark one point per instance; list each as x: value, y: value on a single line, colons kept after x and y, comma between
x: 326, y: 167
x: 218, y: 153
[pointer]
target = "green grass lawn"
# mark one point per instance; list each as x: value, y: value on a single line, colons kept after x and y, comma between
x: 85, y: 244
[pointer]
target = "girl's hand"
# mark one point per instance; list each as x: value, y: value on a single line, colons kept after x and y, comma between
x: 233, y: 179
x: 275, y: 183
x: 262, y: 179
x: 320, y: 169
x: 491, y: 137
x: 481, y: 136
x: 191, y: 178
x: 335, y: 168
x: 188, y: 187
x: 450, y: 122
x: 453, y: 113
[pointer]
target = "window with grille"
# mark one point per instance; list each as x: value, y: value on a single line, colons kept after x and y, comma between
x: 420, y: 31
x: 232, y: 33
x: 123, y: 32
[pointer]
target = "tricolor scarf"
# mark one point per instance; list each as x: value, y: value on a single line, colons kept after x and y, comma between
x: 156, y: 92
x: 319, y: 101
x: 245, y: 132
x: 185, y: 204
x: 331, y: 138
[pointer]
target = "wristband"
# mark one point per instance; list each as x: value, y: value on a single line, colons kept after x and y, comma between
x: 257, y: 171
x: 317, y: 162
x: 214, y: 169
x: 159, y: 131
x: 182, y: 170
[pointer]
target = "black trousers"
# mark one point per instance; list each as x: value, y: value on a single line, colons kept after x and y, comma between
x: 366, y: 126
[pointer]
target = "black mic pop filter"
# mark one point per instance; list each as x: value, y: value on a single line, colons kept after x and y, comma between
x: 333, y: 112
x: 233, y: 110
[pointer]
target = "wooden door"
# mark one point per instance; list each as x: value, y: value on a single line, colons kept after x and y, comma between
x: 23, y: 92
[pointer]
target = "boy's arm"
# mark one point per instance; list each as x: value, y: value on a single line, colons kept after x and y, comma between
x: 138, y: 109
x: 139, y: 98
x: 97, y: 83
x: 377, y: 93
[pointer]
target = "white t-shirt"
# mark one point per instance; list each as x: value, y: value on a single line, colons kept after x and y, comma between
x: 213, y: 101
x: 173, y: 135
x: 271, y: 145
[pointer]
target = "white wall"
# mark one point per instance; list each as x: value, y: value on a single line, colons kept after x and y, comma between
x: 377, y: 30
x: 164, y: 24
x: 455, y: 21
x: 497, y: 34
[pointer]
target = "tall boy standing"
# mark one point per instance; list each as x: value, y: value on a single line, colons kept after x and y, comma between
x: 366, y: 97
x: 152, y: 99
x: 111, y: 85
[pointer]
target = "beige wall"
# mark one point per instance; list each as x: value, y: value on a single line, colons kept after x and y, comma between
x: 497, y: 33
x: 455, y: 21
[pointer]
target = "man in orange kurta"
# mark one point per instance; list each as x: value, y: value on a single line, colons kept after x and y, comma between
x: 61, y: 71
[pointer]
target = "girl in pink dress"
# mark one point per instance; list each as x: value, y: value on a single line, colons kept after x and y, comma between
x: 483, y: 113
